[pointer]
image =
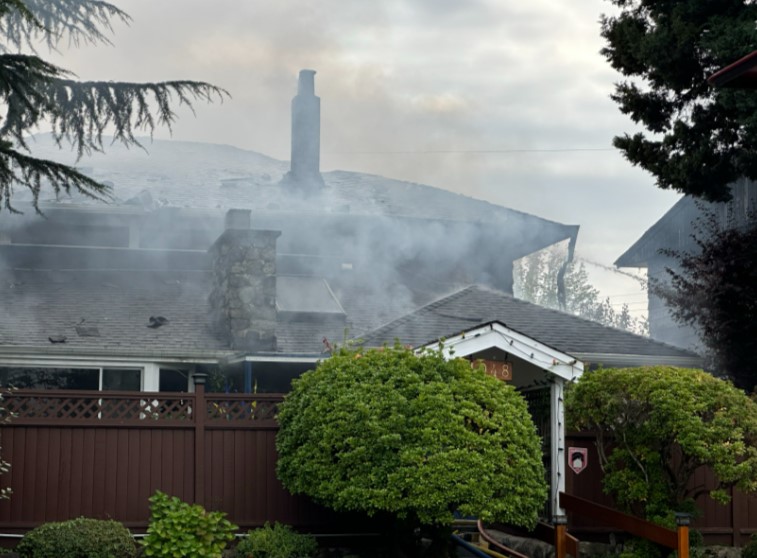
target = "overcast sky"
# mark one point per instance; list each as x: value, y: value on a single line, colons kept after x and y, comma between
x: 503, y: 100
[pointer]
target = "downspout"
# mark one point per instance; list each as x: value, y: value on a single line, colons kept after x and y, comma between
x: 561, y: 294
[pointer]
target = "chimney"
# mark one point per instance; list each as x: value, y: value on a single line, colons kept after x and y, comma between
x: 243, y: 298
x: 306, y: 136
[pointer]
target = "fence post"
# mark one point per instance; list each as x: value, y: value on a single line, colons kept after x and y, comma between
x: 682, y: 524
x: 200, y: 415
x: 561, y: 529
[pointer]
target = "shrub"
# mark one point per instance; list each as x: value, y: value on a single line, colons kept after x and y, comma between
x: 415, y: 436
x: 655, y: 426
x: 279, y: 541
x: 750, y: 550
x: 180, y: 530
x: 77, y: 538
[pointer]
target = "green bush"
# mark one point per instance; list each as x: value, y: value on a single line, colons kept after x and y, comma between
x: 750, y: 550
x: 279, y: 541
x: 78, y: 538
x: 180, y: 530
x: 415, y: 436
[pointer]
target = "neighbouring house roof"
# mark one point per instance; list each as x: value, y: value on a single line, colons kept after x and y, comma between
x: 474, y: 305
x: 675, y: 229
x: 742, y: 73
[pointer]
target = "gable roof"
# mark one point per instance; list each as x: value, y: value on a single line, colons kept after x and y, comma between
x: 675, y: 229
x: 474, y: 305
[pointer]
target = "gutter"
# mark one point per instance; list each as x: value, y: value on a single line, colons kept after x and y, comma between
x: 625, y: 360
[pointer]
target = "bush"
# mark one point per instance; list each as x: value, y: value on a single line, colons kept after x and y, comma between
x: 415, y: 436
x: 750, y: 550
x: 671, y: 421
x: 179, y: 530
x: 279, y: 541
x: 78, y: 538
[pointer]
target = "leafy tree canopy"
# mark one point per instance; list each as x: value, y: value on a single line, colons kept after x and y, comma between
x: 655, y: 426
x: 700, y: 139
x: 36, y: 93
x: 416, y: 436
x: 714, y: 289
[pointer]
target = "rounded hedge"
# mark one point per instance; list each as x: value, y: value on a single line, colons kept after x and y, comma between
x: 77, y: 538
x: 416, y: 436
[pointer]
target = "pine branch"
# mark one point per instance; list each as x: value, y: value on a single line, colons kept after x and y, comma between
x: 37, y: 92
x: 27, y: 22
x: 17, y: 169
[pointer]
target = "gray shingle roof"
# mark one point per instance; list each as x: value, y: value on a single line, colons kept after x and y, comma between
x: 567, y: 333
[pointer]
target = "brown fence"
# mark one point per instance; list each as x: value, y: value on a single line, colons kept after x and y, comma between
x: 102, y: 454
x: 731, y: 524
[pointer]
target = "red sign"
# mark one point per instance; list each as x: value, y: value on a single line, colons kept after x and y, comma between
x: 578, y: 459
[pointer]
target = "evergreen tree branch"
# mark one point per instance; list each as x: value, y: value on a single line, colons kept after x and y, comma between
x: 27, y: 22
x: 18, y: 169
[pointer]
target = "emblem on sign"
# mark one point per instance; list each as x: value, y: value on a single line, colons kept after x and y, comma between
x: 578, y: 459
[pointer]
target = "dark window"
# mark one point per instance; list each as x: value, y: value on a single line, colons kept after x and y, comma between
x: 50, y: 378
x: 174, y: 380
x: 122, y: 379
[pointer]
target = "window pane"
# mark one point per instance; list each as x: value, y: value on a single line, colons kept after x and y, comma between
x: 122, y: 379
x: 50, y: 378
x: 174, y: 380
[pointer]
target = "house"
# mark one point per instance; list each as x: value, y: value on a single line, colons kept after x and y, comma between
x: 675, y: 231
x: 153, y: 336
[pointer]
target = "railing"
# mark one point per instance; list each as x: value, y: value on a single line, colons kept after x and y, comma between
x: 677, y: 540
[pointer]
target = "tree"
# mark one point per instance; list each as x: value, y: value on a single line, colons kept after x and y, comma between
x: 35, y: 92
x: 700, y: 139
x: 415, y: 436
x: 654, y: 426
x: 535, y: 278
x: 715, y: 291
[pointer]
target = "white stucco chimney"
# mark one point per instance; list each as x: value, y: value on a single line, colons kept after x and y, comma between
x: 305, y: 172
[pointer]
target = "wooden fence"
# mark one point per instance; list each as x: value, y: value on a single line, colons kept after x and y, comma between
x: 103, y: 454
x: 731, y: 524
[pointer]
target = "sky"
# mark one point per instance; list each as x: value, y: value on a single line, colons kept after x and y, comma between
x: 503, y: 100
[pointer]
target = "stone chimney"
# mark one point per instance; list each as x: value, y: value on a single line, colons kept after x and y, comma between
x: 305, y: 167
x: 243, y: 299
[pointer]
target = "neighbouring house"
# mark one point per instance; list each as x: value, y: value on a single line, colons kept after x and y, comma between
x: 675, y: 231
x: 152, y: 337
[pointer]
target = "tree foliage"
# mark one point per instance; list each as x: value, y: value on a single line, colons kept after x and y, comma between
x: 699, y: 139
x: 535, y: 278
x: 654, y: 426
x: 37, y: 93
x: 714, y: 290
x: 416, y: 436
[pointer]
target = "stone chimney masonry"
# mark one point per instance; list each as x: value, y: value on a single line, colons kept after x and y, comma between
x: 306, y: 136
x: 243, y: 298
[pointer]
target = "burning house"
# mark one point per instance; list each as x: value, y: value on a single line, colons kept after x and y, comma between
x: 226, y: 271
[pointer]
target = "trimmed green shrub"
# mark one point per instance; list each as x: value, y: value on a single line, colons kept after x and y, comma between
x: 78, y: 538
x: 415, y: 436
x: 279, y: 541
x: 656, y: 425
x: 180, y: 530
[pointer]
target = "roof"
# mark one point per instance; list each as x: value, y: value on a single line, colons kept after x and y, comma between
x: 674, y: 230
x: 475, y: 305
x: 742, y: 73
x: 109, y: 313
x: 193, y: 175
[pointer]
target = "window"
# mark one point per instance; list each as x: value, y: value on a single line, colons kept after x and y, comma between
x: 173, y: 380
x: 93, y: 379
